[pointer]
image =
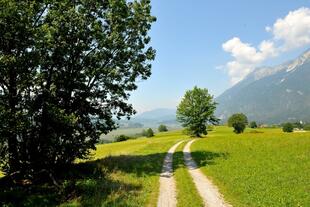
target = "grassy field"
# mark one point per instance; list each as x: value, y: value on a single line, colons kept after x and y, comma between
x: 264, y: 167
x: 260, y: 168
x: 121, y: 174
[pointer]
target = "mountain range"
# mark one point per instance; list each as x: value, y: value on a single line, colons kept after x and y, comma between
x: 271, y: 94
x: 153, y: 118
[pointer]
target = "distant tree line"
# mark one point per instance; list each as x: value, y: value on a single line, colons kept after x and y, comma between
x: 239, y: 122
x: 162, y: 128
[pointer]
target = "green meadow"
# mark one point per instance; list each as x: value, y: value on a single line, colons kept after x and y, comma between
x: 262, y: 167
x: 119, y: 174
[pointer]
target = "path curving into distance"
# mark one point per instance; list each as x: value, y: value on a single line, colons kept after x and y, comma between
x: 208, y: 192
x: 167, y: 191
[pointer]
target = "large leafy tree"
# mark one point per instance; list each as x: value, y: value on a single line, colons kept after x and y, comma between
x: 67, y: 68
x: 196, y: 111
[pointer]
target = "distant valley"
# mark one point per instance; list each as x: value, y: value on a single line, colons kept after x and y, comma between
x: 152, y: 119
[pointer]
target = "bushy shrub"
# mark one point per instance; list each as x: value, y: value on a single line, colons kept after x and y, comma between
x: 253, y: 125
x: 143, y: 133
x: 238, y: 122
x: 147, y: 133
x: 238, y: 127
x: 162, y: 128
x: 121, y: 138
x: 288, y: 127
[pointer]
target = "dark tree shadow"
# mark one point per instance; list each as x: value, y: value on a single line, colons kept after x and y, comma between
x: 138, y: 164
x: 83, y: 181
x: 203, y: 158
x: 91, y: 182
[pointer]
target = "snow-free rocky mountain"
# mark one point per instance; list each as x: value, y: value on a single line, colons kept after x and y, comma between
x: 271, y: 94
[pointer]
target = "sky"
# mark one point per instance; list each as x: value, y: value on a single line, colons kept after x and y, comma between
x: 214, y: 44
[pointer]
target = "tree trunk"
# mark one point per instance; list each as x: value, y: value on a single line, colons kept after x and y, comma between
x: 12, y: 141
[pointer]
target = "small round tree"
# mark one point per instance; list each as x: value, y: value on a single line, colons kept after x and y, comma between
x: 149, y: 133
x: 162, y: 128
x: 253, y: 125
x: 238, y: 122
x: 196, y: 111
x: 288, y: 127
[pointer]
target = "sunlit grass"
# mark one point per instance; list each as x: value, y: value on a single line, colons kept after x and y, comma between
x: 135, y: 165
x: 263, y: 167
x: 119, y: 174
x: 270, y: 168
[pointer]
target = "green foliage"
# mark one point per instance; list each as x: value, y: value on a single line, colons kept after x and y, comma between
x: 149, y: 132
x: 238, y: 122
x: 120, y: 174
x: 239, y: 127
x: 253, y: 125
x: 122, y: 138
x: 162, y: 128
x: 307, y: 127
x: 196, y: 111
x: 67, y: 68
x: 143, y: 133
x: 210, y: 128
x: 288, y: 127
x: 298, y: 125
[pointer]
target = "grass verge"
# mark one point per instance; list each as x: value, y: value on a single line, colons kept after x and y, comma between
x: 187, y: 194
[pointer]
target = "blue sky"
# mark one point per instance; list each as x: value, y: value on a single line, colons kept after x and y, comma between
x: 189, y: 38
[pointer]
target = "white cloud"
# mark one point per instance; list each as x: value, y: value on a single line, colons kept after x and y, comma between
x: 290, y: 32
x: 241, y: 51
x: 246, y: 57
x: 268, y: 29
x: 237, y: 71
x: 220, y: 67
x: 268, y: 49
x: 294, y: 29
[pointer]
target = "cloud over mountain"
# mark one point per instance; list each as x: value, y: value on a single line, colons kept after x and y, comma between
x: 290, y: 32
